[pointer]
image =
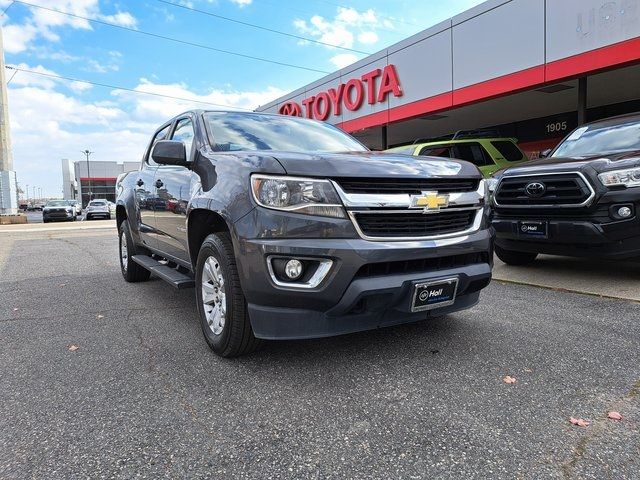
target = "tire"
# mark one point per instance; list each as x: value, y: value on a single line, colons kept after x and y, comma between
x: 512, y: 257
x: 228, y: 333
x: 131, y: 271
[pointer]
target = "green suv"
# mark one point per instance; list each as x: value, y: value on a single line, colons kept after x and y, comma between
x: 489, y: 154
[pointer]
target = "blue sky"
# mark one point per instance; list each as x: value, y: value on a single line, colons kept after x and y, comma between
x: 53, y: 119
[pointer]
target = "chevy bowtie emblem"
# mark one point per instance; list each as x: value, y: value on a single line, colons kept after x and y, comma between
x: 430, y: 201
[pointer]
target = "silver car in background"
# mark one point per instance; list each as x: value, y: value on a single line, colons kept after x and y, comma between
x: 77, y: 206
x: 100, y: 209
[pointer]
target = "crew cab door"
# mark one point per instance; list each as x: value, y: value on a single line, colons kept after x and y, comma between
x: 145, y: 191
x: 174, y: 187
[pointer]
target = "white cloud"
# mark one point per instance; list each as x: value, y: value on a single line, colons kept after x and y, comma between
x: 42, y: 23
x: 368, y: 37
x: 117, y: 128
x: 242, y: 3
x: 343, y: 59
x: 80, y: 87
x: 17, y: 38
x: 347, y: 25
x: 124, y: 19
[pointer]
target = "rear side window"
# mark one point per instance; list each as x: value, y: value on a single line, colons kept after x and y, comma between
x: 161, y: 135
x: 474, y: 153
x: 508, y: 150
x: 444, y: 152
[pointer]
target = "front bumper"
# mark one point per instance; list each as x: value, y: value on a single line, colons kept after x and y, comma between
x: 587, y: 232
x: 48, y: 216
x: 574, y: 238
x: 352, y: 298
x: 98, y: 213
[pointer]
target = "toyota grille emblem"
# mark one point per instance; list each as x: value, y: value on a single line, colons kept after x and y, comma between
x: 535, y: 189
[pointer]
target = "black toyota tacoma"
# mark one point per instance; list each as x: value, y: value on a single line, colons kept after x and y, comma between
x: 582, y: 200
x: 289, y: 228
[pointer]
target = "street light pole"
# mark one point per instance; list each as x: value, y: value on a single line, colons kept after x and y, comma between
x: 88, y: 153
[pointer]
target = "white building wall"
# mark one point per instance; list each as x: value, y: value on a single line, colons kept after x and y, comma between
x: 69, y: 183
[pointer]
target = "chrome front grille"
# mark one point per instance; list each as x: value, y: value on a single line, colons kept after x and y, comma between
x: 398, y: 216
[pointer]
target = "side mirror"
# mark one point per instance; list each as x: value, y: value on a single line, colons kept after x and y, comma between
x: 170, y: 152
x: 545, y: 153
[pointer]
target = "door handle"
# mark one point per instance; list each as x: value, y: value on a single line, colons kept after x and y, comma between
x: 140, y: 182
x: 159, y: 184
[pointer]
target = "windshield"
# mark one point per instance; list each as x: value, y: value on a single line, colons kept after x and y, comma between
x: 599, y: 140
x: 97, y: 203
x: 234, y: 131
x: 57, y: 203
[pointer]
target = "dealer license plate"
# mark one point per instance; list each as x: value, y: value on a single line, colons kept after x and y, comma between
x: 533, y: 229
x: 437, y: 294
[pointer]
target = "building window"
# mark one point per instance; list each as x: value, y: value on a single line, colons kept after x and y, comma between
x: 98, y: 188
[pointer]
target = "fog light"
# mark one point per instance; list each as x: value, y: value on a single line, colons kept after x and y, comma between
x: 293, y: 269
x: 624, y: 212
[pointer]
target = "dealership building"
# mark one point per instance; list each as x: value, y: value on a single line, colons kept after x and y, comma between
x: 531, y: 69
x: 94, y: 180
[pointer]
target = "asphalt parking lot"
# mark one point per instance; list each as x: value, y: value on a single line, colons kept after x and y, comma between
x: 143, y: 397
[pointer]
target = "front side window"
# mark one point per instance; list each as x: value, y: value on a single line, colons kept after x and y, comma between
x: 239, y: 131
x: 184, y: 133
x: 600, y: 140
x: 161, y: 135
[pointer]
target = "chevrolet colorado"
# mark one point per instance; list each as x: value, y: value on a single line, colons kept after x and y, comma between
x: 289, y: 228
x: 582, y: 200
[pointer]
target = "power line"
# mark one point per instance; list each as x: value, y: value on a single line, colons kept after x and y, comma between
x: 260, y: 27
x: 14, y: 74
x: 7, y: 8
x: 116, y: 87
x: 171, y: 39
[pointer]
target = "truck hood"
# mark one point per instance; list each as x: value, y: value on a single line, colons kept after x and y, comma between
x: 371, y: 164
x: 599, y: 163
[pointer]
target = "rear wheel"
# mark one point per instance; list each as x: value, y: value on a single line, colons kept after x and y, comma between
x: 131, y: 271
x: 221, y: 304
x: 512, y: 257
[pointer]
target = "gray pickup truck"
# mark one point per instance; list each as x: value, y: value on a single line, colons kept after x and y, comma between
x: 289, y: 228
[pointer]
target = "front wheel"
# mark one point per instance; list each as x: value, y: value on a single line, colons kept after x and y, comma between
x: 512, y: 257
x: 131, y: 271
x: 221, y: 304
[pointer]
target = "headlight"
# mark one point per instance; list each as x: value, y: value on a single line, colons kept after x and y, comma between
x: 628, y: 178
x: 298, y: 195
